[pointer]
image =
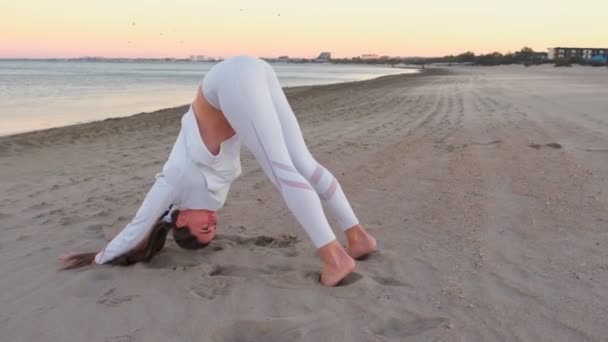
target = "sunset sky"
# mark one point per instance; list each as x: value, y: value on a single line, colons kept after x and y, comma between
x: 270, y: 28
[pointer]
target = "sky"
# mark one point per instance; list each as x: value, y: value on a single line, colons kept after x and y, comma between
x: 272, y: 28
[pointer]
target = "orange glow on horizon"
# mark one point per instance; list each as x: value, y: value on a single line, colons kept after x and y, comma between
x: 70, y: 28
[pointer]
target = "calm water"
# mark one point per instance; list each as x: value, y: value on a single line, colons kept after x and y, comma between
x: 44, y: 94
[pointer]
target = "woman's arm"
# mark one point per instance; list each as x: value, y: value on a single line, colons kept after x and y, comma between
x: 133, y: 237
x: 157, y: 201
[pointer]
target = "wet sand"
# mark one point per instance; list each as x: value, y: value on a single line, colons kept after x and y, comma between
x: 485, y: 187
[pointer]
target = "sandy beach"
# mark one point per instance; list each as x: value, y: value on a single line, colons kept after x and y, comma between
x: 485, y: 187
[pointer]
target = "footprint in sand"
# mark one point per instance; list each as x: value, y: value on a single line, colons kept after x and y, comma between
x: 450, y: 148
x: 176, y: 263
x: 349, y: 280
x: 552, y: 145
x: 281, y: 241
x: 308, y: 278
x: 489, y: 143
x: 212, y: 288
x: 66, y: 221
x: 100, y: 274
x: 238, y: 271
x: 40, y: 205
x: 111, y: 299
x: 23, y: 237
x: 394, y: 328
x: 95, y: 231
x: 387, y: 281
x: 36, y: 194
x: 124, y: 338
x: 50, y: 213
x: 102, y: 213
x: 121, y: 219
x: 279, y: 276
x: 267, y: 331
x: 291, y: 253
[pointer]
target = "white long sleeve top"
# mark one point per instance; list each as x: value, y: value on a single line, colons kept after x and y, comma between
x: 192, y: 178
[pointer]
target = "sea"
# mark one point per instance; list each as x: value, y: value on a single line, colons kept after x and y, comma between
x: 40, y: 94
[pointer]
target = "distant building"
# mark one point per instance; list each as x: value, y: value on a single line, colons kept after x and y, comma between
x: 598, y: 60
x: 323, y: 57
x: 569, y: 52
x: 283, y: 58
x: 369, y: 56
x: 201, y: 58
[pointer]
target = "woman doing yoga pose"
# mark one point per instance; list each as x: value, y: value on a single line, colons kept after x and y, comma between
x: 239, y: 101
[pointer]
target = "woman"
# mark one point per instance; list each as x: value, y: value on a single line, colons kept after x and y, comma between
x: 239, y: 101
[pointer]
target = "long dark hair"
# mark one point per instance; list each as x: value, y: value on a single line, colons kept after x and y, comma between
x: 145, y: 250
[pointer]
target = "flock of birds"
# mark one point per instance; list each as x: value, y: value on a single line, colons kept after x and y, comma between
x: 181, y: 41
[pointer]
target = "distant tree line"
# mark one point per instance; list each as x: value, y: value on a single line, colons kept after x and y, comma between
x: 526, y: 56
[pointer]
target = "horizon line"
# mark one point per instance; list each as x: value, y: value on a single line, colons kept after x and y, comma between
x: 223, y: 57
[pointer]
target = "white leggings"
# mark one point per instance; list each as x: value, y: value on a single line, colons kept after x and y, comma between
x: 247, y: 91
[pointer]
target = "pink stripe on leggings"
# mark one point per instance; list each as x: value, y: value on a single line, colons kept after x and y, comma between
x: 316, y: 176
x: 284, y: 166
x: 296, y: 184
x: 265, y: 154
x: 327, y: 195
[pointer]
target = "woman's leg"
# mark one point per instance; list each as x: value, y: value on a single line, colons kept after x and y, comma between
x: 325, y: 184
x: 247, y: 105
x: 323, y: 181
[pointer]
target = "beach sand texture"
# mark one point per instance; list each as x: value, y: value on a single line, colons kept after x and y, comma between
x: 485, y: 187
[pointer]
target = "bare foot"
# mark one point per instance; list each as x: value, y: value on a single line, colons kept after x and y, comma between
x: 338, y: 264
x: 360, y: 243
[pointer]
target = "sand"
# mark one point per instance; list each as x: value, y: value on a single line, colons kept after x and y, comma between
x: 485, y: 187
